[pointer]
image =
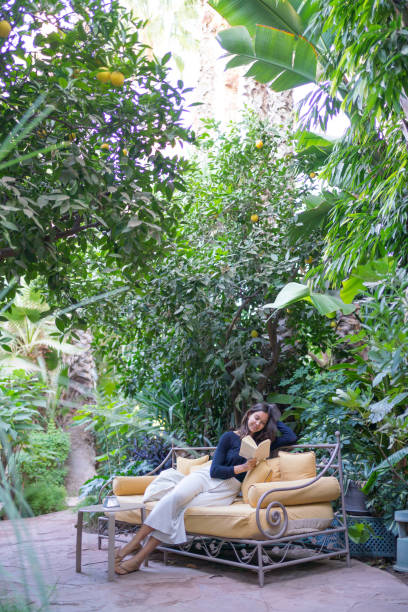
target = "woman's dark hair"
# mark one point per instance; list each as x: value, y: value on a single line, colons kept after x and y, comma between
x: 270, y: 429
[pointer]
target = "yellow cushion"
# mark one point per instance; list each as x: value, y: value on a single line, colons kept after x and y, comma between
x: 295, y: 466
x: 184, y: 465
x: 258, y: 474
x: 239, y: 520
x: 131, y: 485
x: 325, y: 489
x: 194, y: 468
x: 274, y: 467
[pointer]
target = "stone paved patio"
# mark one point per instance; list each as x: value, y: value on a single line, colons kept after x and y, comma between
x: 183, y: 586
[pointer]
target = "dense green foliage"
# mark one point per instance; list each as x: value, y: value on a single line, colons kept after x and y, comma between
x: 44, y: 497
x: 359, y: 64
x: 21, y: 400
x: 196, y: 321
x: 83, y: 197
x: 45, y: 456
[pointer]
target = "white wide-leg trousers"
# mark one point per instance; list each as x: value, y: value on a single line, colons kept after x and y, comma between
x: 177, y: 492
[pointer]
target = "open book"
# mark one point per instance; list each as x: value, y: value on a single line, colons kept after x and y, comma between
x: 249, y: 449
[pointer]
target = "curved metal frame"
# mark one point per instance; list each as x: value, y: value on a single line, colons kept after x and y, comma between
x: 274, y: 517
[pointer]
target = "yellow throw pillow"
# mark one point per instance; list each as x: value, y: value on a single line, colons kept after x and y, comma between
x: 259, y: 474
x: 274, y: 467
x: 184, y: 465
x: 131, y: 485
x: 295, y: 466
x: 194, y: 468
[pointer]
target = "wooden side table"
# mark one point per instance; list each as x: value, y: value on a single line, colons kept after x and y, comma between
x: 111, y: 531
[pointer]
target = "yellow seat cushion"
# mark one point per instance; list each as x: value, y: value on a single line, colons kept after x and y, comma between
x: 261, y: 473
x: 325, y: 489
x: 295, y: 466
x: 238, y: 520
x: 184, y: 464
x: 131, y: 485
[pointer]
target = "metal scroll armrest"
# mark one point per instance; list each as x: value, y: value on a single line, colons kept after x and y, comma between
x: 273, y: 517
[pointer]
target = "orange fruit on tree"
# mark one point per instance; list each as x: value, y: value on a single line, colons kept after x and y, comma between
x: 5, y: 29
x: 117, y: 78
x: 254, y: 218
x: 312, y: 174
x: 105, y: 145
x: 125, y: 152
x: 103, y: 75
x: 259, y: 144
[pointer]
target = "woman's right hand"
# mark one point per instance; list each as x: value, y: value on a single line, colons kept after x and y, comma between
x: 251, y: 463
x: 245, y: 467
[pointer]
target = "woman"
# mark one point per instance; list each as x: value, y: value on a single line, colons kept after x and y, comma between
x: 213, y: 486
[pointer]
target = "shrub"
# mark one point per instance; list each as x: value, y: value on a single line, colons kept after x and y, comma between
x: 152, y: 450
x: 45, y: 455
x: 44, y: 497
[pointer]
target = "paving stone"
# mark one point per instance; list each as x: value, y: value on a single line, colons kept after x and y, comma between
x: 44, y: 554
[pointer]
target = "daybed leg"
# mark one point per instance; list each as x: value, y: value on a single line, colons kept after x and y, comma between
x: 99, y: 535
x: 261, y: 573
x: 165, y: 557
x: 348, y: 560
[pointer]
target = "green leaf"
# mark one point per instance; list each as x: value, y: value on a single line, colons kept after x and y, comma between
x: 326, y: 304
x: 371, y: 272
x: 291, y: 293
x: 360, y: 533
x: 281, y: 398
x: 279, y: 58
x: 309, y: 220
x: 282, y: 14
x: 380, y: 409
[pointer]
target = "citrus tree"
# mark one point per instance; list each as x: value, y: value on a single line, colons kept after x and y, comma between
x: 198, y: 330
x: 102, y: 117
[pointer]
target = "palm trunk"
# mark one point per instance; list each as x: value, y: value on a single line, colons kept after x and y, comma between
x: 81, y: 391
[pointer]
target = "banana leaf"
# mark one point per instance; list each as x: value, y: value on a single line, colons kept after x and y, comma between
x: 279, y: 58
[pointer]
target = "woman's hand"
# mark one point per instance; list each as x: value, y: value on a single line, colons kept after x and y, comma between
x: 245, y: 467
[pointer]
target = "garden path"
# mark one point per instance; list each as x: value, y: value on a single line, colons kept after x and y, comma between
x: 183, y: 586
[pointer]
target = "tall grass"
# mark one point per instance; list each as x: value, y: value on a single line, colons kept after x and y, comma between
x: 32, y: 594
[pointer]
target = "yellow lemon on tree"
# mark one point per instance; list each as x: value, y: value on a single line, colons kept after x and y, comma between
x: 259, y: 144
x: 117, y: 78
x: 103, y: 75
x: 125, y: 152
x: 312, y: 174
x: 254, y: 218
x: 5, y: 29
x: 254, y: 333
x: 333, y: 324
x: 105, y: 145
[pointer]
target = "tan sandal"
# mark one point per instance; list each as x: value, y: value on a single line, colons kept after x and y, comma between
x: 121, y: 569
x: 119, y: 558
